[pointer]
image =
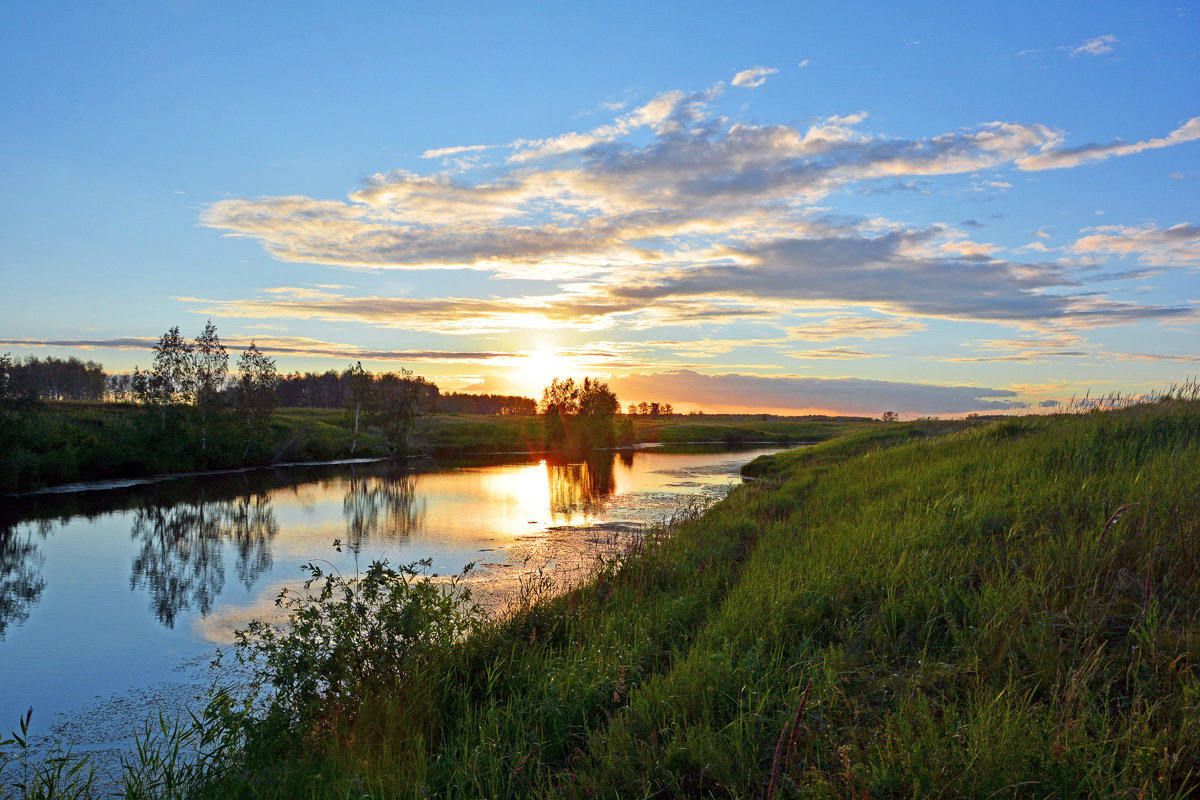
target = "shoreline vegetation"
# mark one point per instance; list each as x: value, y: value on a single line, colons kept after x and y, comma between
x: 66, y: 441
x: 913, y: 609
x: 67, y: 421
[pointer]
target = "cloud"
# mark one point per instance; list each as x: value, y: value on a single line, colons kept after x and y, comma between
x: 801, y: 394
x: 754, y: 77
x: 442, y: 152
x: 1178, y: 245
x: 804, y: 63
x: 1058, y: 158
x: 274, y: 345
x: 461, y: 315
x: 1095, y: 47
x: 855, y: 327
x: 1059, y: 345
x: 833, y: 353
x: 675, y: 214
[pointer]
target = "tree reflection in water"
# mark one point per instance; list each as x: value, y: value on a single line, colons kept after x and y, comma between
x: 581, y: 487
x: 181, y: 559
x: 383, y: 504
x: 21, y: 582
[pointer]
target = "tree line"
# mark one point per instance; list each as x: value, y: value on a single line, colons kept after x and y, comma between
x: 645, y: 409
x: 51, y: 378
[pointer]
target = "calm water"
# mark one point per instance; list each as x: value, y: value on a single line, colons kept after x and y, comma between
x: 113, y: 602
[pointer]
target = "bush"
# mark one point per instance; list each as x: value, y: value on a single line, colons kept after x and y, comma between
x: 356, y: 636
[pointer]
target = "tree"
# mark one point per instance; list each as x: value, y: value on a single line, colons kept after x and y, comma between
x: 360, y: 391
x: 7, y: 377
x: 890, y: 416
x: 255, y: 395
x: 396, y: 405
x: 579, y: 416
x: 597, y: 408
x: 170, y: 380
x: 209, y: 364
x: 560, y: 400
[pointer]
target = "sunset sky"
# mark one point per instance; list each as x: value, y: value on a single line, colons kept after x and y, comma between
x: 757, y: 206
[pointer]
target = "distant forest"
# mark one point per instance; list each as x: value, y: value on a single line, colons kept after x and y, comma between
x: 52, y: 378
x: 71, y: 379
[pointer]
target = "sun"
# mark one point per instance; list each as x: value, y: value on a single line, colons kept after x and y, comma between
x: 537, y: 368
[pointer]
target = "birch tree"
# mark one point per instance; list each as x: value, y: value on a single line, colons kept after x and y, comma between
x: 209, y: 364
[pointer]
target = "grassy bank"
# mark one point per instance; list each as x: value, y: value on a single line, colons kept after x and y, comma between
x: 915, y: 610
x: 68, y: 441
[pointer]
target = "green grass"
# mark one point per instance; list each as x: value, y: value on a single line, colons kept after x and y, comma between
x: 743, y: 428
x: 924, y: 609
x: 928, y: 609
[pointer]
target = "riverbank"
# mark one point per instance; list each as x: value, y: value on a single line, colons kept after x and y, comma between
x: 68, y: 442
x: 919, y: 609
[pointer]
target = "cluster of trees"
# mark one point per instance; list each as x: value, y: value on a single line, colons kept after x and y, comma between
x: 330, y: 389
x: 645, y: 409
x: 390, y: 401
x: 190, y: 377
x: 579, y: 416
x: 51, y: 378
x: 508, y: 404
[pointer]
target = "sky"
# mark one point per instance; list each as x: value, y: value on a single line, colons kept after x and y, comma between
x: 763, y: 207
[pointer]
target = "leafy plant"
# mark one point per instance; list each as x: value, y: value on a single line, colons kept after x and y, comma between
x: 356, y: 635
x: 57, y: 774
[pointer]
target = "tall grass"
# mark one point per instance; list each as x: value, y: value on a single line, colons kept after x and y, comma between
x: 925, y: 609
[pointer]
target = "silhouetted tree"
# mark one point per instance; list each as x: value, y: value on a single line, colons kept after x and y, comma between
x: 579, y: 416
x: 209, y: 364
x: 255, y: 393
x: 360, y: 393
x: 170, y: 381
x: 395, y: 409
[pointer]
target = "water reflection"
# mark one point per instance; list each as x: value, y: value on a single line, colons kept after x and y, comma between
x: 382, y: 504
x: 180, y: 558
x: 580, y: 487
x: 21, y: 582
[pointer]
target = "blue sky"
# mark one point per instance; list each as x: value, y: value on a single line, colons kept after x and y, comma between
x: 965, y: 207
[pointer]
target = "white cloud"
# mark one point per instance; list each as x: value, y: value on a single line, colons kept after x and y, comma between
x: 675, y: 214
x: 1057, y: 158
x: 754, y: 77
x: 855, y: 327
x: 442, y: 152
x: 804, y: 63
x: 1178, y: 245
x: 1095, y: 47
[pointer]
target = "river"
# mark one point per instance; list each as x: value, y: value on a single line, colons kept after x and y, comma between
x: 113, y: 602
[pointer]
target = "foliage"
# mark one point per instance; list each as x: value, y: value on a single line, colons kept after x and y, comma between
x: 355, y: 635
x: 209, y: 364
x: 395, y: 410
x: 255, y: 396
x: 51, y: 378
x: 56, y: 775
x: 360, y: 395
x: 171, y: 380
x: 579, y: 417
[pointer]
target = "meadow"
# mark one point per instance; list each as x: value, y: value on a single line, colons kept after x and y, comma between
x: 925, y: 609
